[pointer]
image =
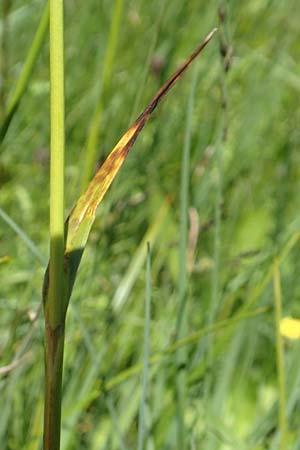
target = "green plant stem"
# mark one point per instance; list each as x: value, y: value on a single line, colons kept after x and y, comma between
x: 55, y: 301
x: 181, y: 325
x: 115, y: 423
x: 54, y: 351
x: 215, y: 279
x: 6, y: 4
x: 57, y: 163
x: 125, y: 285
x: 219, y: 146
x: 142, y: 414
x: 280, y: 358
x: 26, y: 72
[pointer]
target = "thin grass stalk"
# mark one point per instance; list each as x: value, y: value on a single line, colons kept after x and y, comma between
x: 26, y: 72
x: 4, y: 63
x: 142, y: 432
x: 215, y: 291
x: 181, y: 323
x: 220, y: 143
x: 219, y: 147
x: 23, y: 236
x: 115, y: 422
x: 215, y: 279
x: 280, y: 359
x: 90, y: 152
x: 54, y: 306
x: 125, y: 285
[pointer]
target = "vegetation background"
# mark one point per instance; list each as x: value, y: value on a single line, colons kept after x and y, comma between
x: 212, y: 183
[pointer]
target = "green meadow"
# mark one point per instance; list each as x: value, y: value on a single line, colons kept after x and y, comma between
x: 178, y: 346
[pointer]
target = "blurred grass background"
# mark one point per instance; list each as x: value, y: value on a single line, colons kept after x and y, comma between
x: 240, y: 196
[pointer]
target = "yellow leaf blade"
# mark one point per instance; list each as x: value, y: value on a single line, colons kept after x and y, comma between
x: 82, y: 216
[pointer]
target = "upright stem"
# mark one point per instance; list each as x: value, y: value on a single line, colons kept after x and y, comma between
x: 221, y: 138
x: 54, y: 351
x: 142, y: 431
x: 4, y: 38
x: 55, y: 306
x: 55, y: 301
x: 181, y: 320
x: 280, y: 359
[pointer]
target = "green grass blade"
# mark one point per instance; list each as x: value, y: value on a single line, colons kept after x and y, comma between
x: 138, y: 259
x: 27, y: 71
x: 142, y: 432
x: 215, y: 294
x: 27, y: 241
x: 83, y: 385
x: 4, y: 31
x: 280, y: 359
x: 181, y: 325
x: 115, y: 422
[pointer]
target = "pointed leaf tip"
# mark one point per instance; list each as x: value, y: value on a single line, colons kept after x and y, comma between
x: 85, y: 208
x: 81, y: 218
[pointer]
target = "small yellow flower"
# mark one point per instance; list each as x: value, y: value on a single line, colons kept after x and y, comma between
x: 290, y: 328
